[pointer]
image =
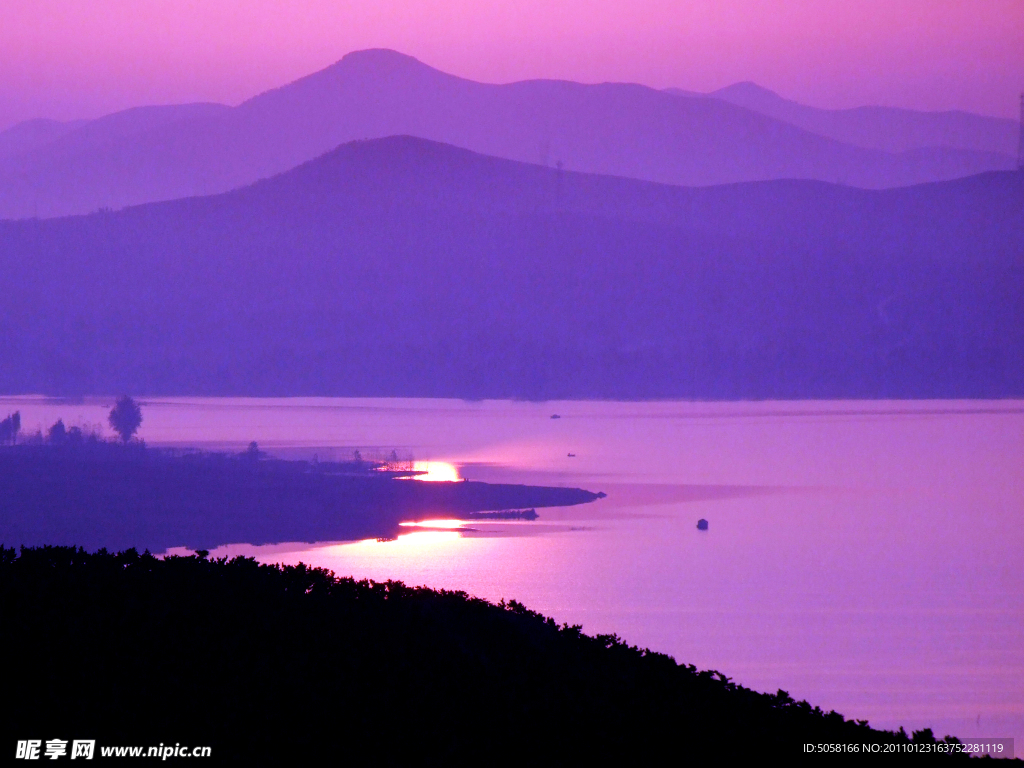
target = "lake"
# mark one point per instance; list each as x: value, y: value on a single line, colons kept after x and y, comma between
x: 866, y: 556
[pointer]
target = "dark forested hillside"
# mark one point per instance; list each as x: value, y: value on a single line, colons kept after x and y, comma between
x: 405, y: 267
x: 271, y: 665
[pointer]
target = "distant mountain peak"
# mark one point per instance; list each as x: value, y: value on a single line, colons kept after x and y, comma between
x: 372, y: 65
x: 381, y: 58
x: 748, y: 89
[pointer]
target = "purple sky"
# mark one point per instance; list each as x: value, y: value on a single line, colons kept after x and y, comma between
x: 66, y: 59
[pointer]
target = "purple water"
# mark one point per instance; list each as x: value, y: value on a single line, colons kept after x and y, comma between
x: 866, y: 556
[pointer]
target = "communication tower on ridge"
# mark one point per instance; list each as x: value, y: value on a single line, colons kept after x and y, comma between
x: 1020, y: 141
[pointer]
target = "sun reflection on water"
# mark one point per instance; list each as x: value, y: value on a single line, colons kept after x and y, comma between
x: 436, y: 471
x: 413, y: 540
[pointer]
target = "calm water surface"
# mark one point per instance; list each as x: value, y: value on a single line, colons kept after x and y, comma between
x: 868, y: 557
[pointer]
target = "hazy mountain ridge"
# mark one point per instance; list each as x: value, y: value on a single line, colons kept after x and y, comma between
x: 31, y: 134
x: 75, y: 135
x: 887, y: 128
x: 612, y: 128
x: 405, y: 267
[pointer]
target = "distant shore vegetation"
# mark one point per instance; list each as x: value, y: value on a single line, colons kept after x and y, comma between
x: 124, y: 418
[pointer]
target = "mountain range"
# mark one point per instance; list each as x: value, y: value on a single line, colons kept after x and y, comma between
x: 740, y: 134
x: 403, y: 266
x: 887, y: 128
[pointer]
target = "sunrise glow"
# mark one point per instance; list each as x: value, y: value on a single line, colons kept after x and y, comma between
x: 436, y: 471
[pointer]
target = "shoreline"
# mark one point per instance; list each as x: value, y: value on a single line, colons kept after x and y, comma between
x: 116, y: 497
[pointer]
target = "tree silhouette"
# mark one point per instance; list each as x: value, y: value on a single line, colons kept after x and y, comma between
x: 10, y: 427
x: 57, y: 434
x: 125, y: 417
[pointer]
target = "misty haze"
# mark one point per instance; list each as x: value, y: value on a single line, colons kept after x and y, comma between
x: 557, y: 418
